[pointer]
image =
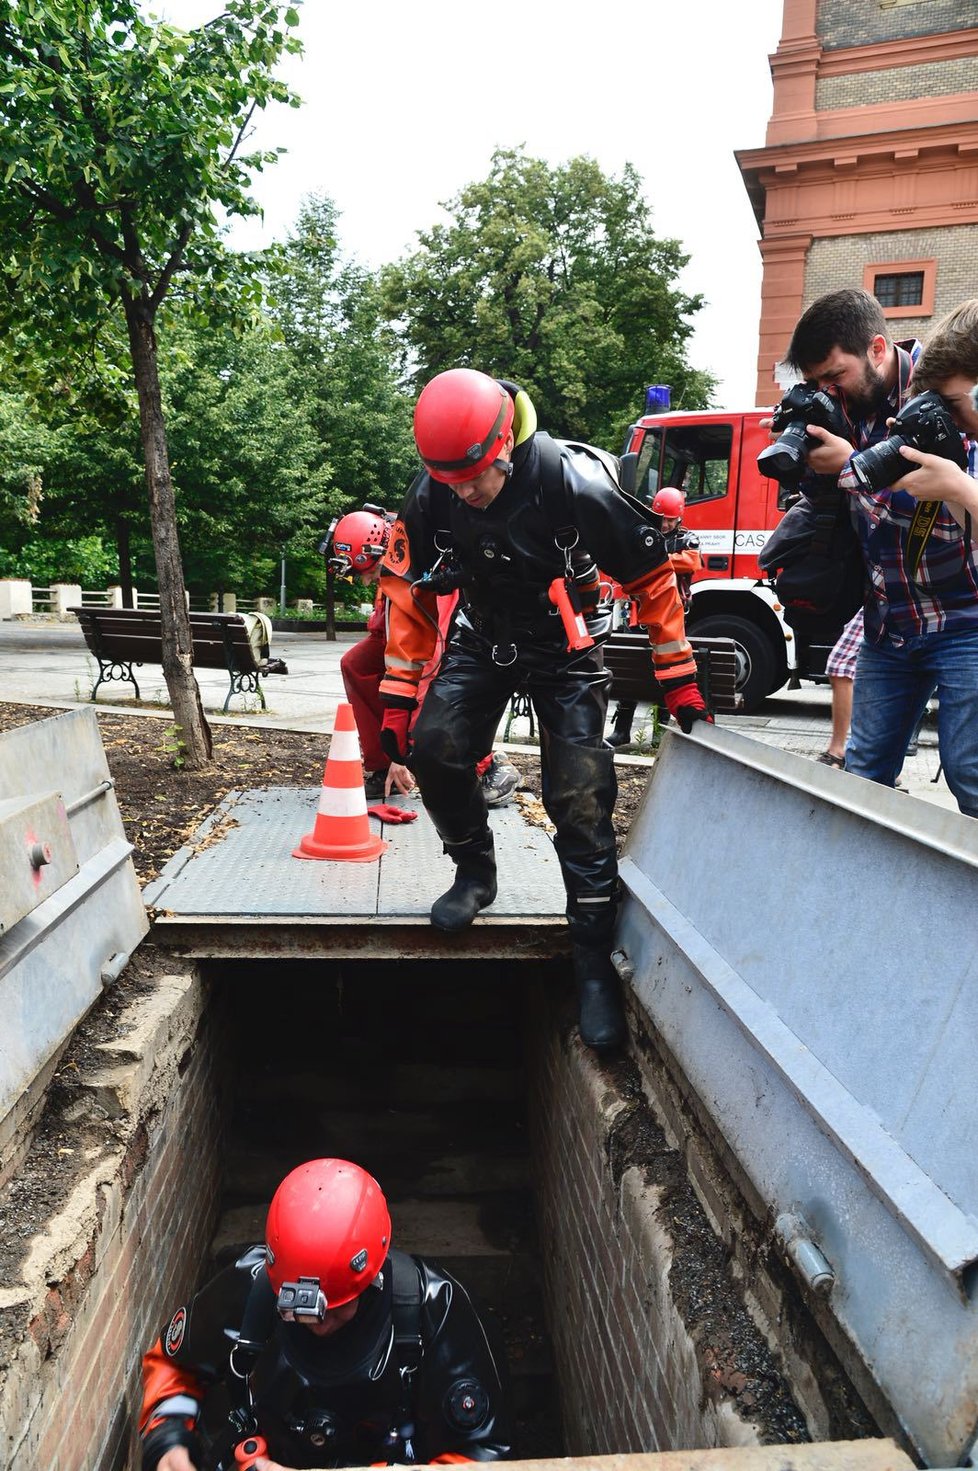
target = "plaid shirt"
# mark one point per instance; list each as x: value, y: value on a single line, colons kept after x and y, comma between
x: 945, y: 593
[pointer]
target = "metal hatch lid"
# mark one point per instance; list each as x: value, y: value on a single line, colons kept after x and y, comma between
x: 236, y: 889
x: 55, y: 958
x: 812, y: 966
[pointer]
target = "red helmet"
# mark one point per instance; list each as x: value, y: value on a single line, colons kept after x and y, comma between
x: 359, y: 541
x: 669, y: 502
x: 460, y: 423
x: 327, y: 1236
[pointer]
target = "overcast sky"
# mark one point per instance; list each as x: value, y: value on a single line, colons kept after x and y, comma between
x: 404, y: 104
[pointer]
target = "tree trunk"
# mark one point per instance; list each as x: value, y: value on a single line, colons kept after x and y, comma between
x: 188, y: 712
x: 125, y: 559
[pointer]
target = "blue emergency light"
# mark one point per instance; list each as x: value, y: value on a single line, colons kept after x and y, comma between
x: 657, y: 397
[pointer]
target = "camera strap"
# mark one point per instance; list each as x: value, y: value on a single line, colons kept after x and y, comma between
x: 924, y: 517
x: 926, y: 512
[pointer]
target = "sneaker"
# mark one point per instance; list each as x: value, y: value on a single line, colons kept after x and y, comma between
x: 373, y: 785
x: 499, y: 782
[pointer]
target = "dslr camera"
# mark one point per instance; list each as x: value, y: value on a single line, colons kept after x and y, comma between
x: 926, y: 424
x: 784, y: 460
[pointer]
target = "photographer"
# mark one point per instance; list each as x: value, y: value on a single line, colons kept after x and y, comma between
x: 949, y: 366
x: 921, y: 606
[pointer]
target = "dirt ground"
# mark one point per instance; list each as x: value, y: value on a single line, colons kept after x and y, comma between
x: 163, y: 803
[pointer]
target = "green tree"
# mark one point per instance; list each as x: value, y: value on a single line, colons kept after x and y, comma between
x: 330, y: 314
x: 553, y: 277
x: 248, y: 465
x: 245, y: 460
x: 120, y: 139
x: 24, y: 447
x: 331, y: 317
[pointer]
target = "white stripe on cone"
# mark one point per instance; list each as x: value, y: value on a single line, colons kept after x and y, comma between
x: 345, y: 746
x: 342, y: 801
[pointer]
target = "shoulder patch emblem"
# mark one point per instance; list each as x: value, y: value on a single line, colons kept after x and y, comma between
x: 398, y: 553
x: 175, y: 1332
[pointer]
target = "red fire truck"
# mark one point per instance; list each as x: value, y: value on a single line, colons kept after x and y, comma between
x: 712, y: 456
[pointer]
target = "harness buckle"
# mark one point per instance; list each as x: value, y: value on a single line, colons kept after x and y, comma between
x: 499, y: 649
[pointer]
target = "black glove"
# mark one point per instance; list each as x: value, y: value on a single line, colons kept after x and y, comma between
x: 688, y: 714
x: 171, y: 1431
x: 685, y: 703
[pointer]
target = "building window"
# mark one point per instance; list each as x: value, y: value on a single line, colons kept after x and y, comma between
x: 899, y: 290
x: 903, y: 288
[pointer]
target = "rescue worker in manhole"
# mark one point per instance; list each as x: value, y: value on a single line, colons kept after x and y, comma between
x: 520, y: 523
x: 325, y: 1346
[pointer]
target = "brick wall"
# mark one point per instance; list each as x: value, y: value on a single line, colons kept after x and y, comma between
x: 839, y: 261
x: 124, y: 1249
x: 898, y: 84
x: 841, y: 23
x: 655, y: 1347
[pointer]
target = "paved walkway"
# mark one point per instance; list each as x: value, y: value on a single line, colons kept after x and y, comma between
x: 48, y: 664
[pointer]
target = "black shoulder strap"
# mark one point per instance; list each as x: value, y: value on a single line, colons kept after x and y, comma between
x: 258, y: 1319
x: 440, y: 502
x: 557, y: 505
x: 257, y: 1325
x: 406, y: 1312
x: 831, y: 506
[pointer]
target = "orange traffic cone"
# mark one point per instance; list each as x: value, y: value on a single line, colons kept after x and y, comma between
x: 342, y: 827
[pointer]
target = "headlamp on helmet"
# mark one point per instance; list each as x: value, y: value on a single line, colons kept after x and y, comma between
x: 327, y: 1236
x: 300, y: 1300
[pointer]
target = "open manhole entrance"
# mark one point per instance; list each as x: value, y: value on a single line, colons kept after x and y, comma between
x: 535, y: 1174
x: 418, y: 1075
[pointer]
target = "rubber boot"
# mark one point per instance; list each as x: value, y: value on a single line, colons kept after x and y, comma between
x: 474, y: 886
x: 621, y: 732
x: 602, y: 1012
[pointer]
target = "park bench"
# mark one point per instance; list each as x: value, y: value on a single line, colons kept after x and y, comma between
x: 628, y: 656
x: 121, y: 638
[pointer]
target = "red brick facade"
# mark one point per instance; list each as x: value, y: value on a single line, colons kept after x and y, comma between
x: 870, y: 166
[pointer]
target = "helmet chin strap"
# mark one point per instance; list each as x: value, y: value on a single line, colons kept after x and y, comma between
x: 505, y: 465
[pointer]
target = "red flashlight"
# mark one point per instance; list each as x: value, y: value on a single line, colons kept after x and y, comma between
x: 246, y: 1452
x: 566, y: 598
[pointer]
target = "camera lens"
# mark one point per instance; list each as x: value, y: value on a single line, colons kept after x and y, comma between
x: 784, y: 460
x: 878, y: 467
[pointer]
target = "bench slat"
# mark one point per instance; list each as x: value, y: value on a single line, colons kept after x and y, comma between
x: 627, y: 656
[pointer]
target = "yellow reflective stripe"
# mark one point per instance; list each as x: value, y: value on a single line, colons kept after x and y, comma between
x: 393, y: 663
x: 677, y: 646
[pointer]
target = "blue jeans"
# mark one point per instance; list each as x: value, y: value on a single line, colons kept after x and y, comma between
x: 892, y: 688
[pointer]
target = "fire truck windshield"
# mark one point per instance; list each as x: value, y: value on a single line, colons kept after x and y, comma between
x: 695, y: 458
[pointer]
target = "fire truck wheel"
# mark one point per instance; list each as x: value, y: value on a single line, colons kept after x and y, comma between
x: 756, y: 667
